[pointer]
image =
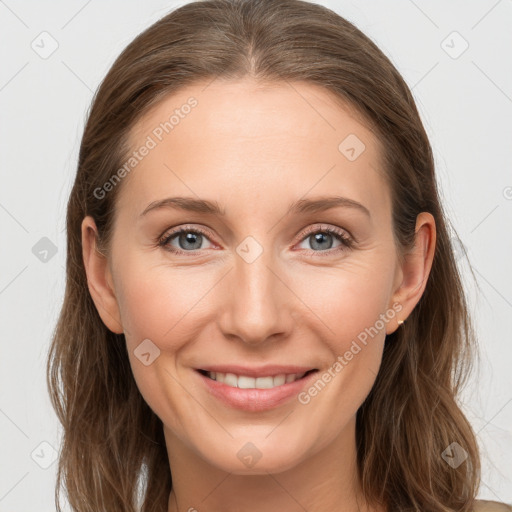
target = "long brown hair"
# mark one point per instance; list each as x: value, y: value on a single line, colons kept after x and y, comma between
x: 113, y: 455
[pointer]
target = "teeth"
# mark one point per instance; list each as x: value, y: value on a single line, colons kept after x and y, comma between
x: 245, y: 382
x: 279, y: 380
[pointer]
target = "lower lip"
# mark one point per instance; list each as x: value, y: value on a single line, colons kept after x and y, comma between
x: 255, y: 399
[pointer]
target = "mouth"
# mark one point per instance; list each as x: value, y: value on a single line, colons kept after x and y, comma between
x: 248, y: 382
x: 264, y: 390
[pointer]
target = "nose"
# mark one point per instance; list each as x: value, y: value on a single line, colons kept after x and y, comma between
x: 257, y: 303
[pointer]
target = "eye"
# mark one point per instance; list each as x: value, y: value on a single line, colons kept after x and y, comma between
x: 321, y: 239
x: 187, y: 239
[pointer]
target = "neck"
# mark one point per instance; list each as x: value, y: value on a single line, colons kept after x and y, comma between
x: 326, y: 480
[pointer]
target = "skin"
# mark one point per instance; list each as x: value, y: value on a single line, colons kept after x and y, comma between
x: 255, y: 149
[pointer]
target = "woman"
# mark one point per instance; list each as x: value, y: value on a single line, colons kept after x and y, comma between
x: 258, y: 369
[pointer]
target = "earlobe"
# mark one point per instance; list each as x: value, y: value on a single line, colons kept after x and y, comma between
x: 99, y: 278
x: 416, y: 267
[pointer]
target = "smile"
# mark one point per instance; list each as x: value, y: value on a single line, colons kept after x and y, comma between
x: 254, y: 389
x: 247, y: 382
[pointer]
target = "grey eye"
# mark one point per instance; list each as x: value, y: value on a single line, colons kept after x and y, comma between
x: 320, y: 241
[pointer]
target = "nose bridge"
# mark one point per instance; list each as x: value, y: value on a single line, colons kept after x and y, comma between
x: 255, y: 308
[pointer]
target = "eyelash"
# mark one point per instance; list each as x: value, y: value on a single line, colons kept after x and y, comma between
x: 346, y: 241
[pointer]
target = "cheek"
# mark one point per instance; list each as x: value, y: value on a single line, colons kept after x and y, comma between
x: 158, y: 302
x: 346, y: 301
x: 147, y: 307
x: 351, y: 314
x: 164, y: 306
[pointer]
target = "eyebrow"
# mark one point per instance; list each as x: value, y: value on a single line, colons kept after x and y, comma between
x: 213, y: 208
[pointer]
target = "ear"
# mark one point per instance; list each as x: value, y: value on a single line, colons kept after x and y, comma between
x: 412, y: 275
x: 99, y: 277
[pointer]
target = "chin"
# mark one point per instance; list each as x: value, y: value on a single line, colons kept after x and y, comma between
x: 254, y: 457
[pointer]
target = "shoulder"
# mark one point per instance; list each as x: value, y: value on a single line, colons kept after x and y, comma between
x: 491, y: 506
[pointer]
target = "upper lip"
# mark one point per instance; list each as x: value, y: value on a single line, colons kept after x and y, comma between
x: 259, y: 371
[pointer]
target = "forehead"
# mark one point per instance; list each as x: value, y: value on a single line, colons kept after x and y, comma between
x: 244, y: 141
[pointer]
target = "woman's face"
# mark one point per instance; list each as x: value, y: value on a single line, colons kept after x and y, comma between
x: 287, y: 277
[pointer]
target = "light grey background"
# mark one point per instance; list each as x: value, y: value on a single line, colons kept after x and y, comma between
x: 465, y: 99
